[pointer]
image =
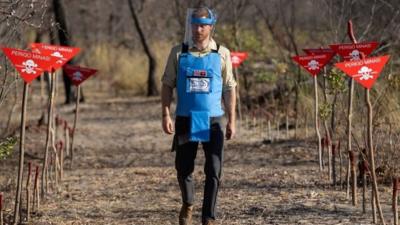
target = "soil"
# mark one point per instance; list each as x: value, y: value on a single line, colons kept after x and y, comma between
x: 123, y: 173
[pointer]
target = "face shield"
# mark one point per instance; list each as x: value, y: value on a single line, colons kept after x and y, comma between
x: 191, y: 19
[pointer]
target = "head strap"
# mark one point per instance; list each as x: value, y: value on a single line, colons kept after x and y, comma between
x: 211, y: 20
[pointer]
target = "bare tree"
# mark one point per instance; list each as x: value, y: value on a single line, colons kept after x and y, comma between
x: 151, y: 82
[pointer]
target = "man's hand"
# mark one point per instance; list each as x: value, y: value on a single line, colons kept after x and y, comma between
x: 229, y: 98
x: 230, y: 130
x: 166, y: 98
x: 167, y: 125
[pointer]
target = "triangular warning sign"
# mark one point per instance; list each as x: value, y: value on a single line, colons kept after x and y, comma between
x: 313, y: 63
x: 352, y: 52
x: 318, y: 51
x: 237, y: 58
x: 62, y: 53
x: 28, y: 64
x: 78, y: 74
x: 364, y: 71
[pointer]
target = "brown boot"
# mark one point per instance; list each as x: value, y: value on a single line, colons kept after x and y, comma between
x: 185, y: 215
x: 209, y: 222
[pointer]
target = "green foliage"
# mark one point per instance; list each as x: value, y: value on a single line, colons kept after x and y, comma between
x: 394, y: 81
x: 280, y: 67
x: 7, y: 146
x: 263, y: 76
x: 324, y: 111
x: 248, y: 40
x: 336, y: 80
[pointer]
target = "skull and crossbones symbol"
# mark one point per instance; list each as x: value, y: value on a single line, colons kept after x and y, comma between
x: 58, y: 55
x: 313, y: 65
x: 355, y: 55
x: 30, y: 66
x: 77, y: 76
x: 365, y: 73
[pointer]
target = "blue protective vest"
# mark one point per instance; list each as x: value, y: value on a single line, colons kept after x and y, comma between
x: 199, y: 91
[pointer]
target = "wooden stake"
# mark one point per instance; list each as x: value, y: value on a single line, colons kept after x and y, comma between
x: 75, y: 123
x: 35, y: 204
x: 21, y: 154
x: 28, y: 192
x: 372, y: 157
x: 1, y: 209
x: 328, y: 145
x: 61, y: 161
x: 394, y: 199
x: 278, y: 126
x: 364, y: 171
x: 45, y: 170
x: 238, y: 96
x: 340, y: 165
x: 316, y: 122
x: 350, y: 108
x: 334, y: 164
x: 353, y: 163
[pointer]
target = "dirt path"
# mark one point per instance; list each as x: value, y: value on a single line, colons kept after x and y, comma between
x: 124, y: 174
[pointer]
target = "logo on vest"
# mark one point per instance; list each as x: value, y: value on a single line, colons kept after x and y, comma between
x: 201, y: 85
x: 199, y: 73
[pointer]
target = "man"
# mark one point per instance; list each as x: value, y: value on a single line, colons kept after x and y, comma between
x: 201, y: 71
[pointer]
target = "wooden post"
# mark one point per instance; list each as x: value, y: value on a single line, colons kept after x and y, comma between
x: 334, y: 164
x: 1, y: 209
x: 364, y: 171
x: 21, y: 155
x: 28, y: 192
x: 278, y: 126
x: 61, y: 160
x: 269, y: 131
x: 75, y: 123
x: 238, y: 96
x: 316, y: 122
x: 353, y: 163
x: 36, y: 199
x: 328, y: 145
x: 45, y: 170
x: 350, y: 108
x: 372, y: 157
x: 340, y: 165
x: 395, y: 199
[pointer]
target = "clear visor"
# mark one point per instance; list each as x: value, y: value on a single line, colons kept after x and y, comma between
x: 188, y: 39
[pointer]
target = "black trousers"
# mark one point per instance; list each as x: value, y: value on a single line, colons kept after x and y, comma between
x: 184, y: 164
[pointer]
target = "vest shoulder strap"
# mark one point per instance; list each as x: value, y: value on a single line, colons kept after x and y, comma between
x: 216, y: 50
x: 185, y: 48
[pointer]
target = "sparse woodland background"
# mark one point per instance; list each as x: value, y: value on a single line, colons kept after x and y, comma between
x: 125, y: 40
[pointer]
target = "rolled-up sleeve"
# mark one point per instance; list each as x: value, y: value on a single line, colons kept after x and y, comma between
x: 228, y: 79
x: 169, y: 76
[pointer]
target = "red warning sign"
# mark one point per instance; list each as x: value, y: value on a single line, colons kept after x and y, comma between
x: 352, y: 52
x: 313, y: 63
x: 237, y: 58
x: 317, y: 51
x: 364, y: 71
x: 78, y: 74
x: 29, y: 65
x: 62, y: 53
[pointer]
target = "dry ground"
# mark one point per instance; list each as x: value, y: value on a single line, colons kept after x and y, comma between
x: 124, y: 174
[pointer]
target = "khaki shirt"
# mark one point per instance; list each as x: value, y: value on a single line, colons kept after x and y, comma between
x: 171, y: 69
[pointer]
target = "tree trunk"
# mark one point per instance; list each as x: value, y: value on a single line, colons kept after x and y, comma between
x: 64, y: 38
x: 151, y: 82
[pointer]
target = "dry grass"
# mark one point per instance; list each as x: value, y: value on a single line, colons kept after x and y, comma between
x: 126, y: 70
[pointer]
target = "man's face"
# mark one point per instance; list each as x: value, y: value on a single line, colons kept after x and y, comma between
x: 201, y: 32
